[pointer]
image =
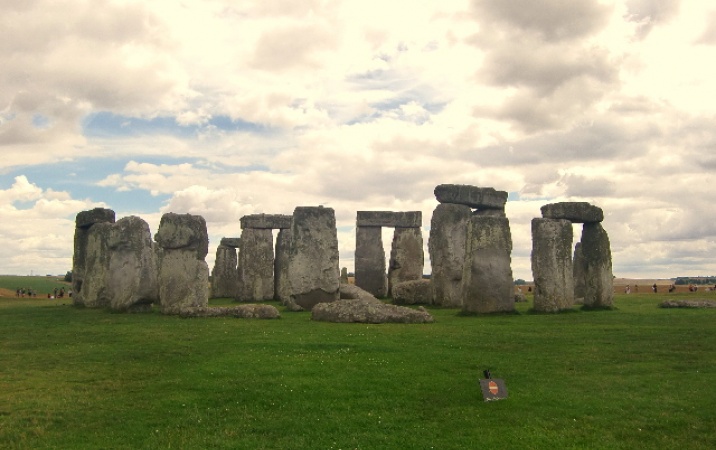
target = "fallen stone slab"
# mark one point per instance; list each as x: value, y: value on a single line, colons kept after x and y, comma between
x: 694, y: 303
x: 353, y: 292
x: 472, y: 196
x: 266, y: 221
x: 399, y: 219
x: 247, y: 311
x: 413, y: 292
x: 361, y: 311
x: 575, y: 212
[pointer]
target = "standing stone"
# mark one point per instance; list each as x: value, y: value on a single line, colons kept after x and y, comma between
x: 488, y: 286
x: 133, y: 283
x: 552, y: 264
x: 313, y: 261
x: 256, y: 282
x: 282, y: 288
x: 83, y: 222
x: 447, y: 244
x: 599, y: 281
x: 370, y: 261
x: 95, y: 286
x: 225, y: 275
x: 344, y: 275
x: 406, y: 256
x: 579, y: 275
x: 183, y: 272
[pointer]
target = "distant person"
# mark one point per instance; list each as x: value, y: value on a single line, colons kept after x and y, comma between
x: 653, y: 288
x: 636, y: 288
x: 672, y: 288
x: 627, y: 289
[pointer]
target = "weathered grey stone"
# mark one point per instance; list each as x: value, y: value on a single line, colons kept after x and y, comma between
x: 577, y: 212
x: 183, y: 272
x: 370, y: 261
x: 472, y: 196
x: 353, y: 292
x: 552, y: 264
x: 490, y: 213
x: 95, y: 286
x: 447, y: 244
x: 693, y: 303
x: 266, y: 221
x: 83, y: 222
x: 488, y: 286
x: 361, y: 311
x: 344, y: 275
x: 413, y: 292
x: 406, y: 257
x: 401, y: 219
x: 256, y: 264
x: 578, y: 268
x: 282, y: 286
x: 233, y: 242
x: 246, y: 311
x: 185, y: 232
x: 313, y: 262
x: 225, y: 275
x: 86, y: 219
x: 132, y: 283
x: 597, y: 254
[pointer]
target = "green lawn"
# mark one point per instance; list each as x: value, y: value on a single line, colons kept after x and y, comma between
x: 635, y: 377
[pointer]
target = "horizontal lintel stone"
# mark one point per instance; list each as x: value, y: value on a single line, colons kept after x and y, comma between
x: 266, y: 221
x: 404, y: 219
x: 472, y: 196
x: 576, y: 212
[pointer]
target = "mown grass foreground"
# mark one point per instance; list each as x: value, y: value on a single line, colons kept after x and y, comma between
x: 635, y: 377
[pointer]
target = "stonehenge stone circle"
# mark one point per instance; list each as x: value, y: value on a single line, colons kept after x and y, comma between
x: 552, y: 264
x: 256, y: 265
x: 447, y: 244
x: 132, y: 275
x: 83, y: 223
x: 576, y: 212
x: 183, y: 272
x: 406, y: 257
x: 225, y: 275
x: 488, y: 286
x: 597, y: 256
x: 472, y: 196
x: 313, y: 257
x: 370, y: 261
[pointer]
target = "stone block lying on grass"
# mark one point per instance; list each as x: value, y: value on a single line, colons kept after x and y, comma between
x: 413, y: 292
x: 248, y: 311
x: 353, y: 292
x: 695, y: 303
x: 362, y: 311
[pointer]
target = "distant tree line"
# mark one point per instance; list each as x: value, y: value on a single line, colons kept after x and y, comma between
x: 695, y: 280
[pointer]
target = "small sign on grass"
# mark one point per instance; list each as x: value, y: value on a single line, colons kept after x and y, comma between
x: 492, y: 388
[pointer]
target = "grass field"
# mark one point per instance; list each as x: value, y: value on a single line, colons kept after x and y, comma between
x: 635, y: 377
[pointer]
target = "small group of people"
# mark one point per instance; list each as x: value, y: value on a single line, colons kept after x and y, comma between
x: 58, y: 293
x: 25, y: 292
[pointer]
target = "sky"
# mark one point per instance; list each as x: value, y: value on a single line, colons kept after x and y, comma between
x: 224, y: 108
